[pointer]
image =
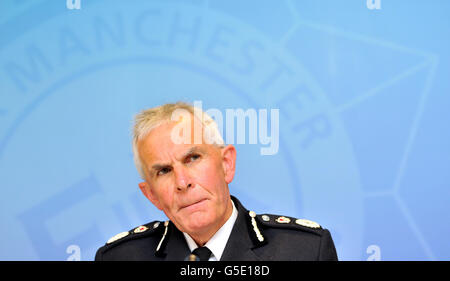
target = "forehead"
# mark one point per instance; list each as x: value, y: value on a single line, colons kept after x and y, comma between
x: 159, y: 144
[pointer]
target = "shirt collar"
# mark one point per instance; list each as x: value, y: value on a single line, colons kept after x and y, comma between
x: 219, y: 240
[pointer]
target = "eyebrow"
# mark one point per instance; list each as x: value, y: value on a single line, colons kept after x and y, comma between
x: 192, y: 150
x: 157, y: 167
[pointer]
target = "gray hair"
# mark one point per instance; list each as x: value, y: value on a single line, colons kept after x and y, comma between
x: 149, y: 119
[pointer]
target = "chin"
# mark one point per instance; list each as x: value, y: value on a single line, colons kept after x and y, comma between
x: 199, y: 223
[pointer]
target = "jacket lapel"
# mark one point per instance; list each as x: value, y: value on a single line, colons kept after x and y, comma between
x: 239, y: 246
x: 177, y: 248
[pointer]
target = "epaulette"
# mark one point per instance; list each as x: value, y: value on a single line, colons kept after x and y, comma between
x: 137, y: 232
x: 276, y: 221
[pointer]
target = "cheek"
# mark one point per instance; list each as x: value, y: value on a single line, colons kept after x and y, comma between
x: 209, y: 176
x: 164, y: 194
x: 202, y: 172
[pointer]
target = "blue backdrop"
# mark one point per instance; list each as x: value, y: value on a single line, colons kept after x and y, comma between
x: 362, y: 88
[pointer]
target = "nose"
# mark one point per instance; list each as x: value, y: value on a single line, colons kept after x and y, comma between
x: 183, y: 180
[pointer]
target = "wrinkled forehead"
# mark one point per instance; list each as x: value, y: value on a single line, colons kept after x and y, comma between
x: 172, y: 140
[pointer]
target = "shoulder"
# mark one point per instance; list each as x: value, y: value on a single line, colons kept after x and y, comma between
x: 287, y: 234
x: 290, y: 223
x: 129, y: 239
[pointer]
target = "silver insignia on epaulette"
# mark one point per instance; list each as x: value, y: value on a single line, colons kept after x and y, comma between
x: 307, y: 223
x: 140, y: 229
x: 283, y: 220
x: 117, y: 237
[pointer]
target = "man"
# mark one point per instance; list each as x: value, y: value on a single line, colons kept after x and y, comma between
x: 186, y: 170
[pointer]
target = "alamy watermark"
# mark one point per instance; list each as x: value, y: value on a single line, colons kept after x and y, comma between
x: 73, y: 4
x: 259, y: 130
x: 374, y: 252
x: 373, y: 4
x: 75, y: 253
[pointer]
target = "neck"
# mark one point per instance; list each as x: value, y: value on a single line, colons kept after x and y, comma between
x: 202, y: 238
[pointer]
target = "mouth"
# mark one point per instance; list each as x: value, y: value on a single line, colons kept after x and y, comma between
x: 192, y: 205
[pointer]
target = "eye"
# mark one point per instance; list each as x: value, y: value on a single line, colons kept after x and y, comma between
x: 192, y: 158
x: 163, y: 171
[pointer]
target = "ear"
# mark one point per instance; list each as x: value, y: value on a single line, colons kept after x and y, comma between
x: 148, y: 192
x: 229, y: 162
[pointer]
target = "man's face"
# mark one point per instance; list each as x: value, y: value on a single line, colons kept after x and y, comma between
x: 189, y: 182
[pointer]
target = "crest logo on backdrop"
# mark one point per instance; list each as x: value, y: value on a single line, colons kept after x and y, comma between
x: 75, y: 81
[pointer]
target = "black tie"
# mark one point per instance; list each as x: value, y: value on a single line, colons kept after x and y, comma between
x: 203, y: 253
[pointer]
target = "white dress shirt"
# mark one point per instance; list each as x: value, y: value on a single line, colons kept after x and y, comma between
x: 219, y: 240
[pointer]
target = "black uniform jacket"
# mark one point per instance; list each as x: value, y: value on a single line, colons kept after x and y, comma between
x: 253, y: 238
